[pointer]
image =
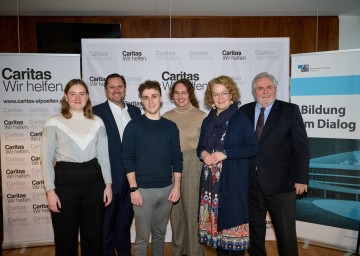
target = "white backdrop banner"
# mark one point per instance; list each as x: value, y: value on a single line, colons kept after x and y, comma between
x: 197, y: 59
x: 326, y: 86
x: 31, y: 88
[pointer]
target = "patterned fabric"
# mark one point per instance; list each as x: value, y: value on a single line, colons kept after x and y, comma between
x: 235, y: 238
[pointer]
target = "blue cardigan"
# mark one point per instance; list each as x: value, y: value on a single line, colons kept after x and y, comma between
x: 240, y: 144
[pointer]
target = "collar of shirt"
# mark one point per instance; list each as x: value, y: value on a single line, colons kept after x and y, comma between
x: 113, y: 106
x: 121, y: 116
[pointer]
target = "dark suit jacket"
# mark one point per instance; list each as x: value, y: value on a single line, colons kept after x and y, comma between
x: 283, y: 156
x: 115, y: 150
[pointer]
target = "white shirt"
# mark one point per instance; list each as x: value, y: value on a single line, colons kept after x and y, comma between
x: 121, y: 116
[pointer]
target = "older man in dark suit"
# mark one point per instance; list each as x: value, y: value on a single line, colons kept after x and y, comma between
x: 115, y: 114
x: 280, y: 171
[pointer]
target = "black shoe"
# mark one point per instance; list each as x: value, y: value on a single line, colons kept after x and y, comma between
x: 237, y: 253
x: 222, y: 252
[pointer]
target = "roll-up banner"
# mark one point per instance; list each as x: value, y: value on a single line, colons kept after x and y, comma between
x: 32, y: 86
x: 326, y: 86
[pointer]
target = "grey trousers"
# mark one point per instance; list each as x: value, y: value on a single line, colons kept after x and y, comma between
x: 184, y: 214
x: 152, y: 218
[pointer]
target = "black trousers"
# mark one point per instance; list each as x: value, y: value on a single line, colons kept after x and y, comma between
x: 80, y: 188
x: 282, y: 210
x: 117, y: 223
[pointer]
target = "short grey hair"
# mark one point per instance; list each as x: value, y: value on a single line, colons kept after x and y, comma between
x: 262, y: 75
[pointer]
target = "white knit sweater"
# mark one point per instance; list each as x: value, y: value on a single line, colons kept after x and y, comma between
x: 77, y: 139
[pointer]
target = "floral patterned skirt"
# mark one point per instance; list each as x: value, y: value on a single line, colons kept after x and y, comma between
x: 235, y: 238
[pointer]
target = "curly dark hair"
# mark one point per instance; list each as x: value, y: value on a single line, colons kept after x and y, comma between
x: 149, y: 84
x: 190, y: 89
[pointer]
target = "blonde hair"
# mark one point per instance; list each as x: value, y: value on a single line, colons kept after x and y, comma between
x: 65, y: 107
x: 226, y: 81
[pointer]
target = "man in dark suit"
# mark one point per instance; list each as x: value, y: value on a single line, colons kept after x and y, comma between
x: 115, y: 114
x: 280, y: 171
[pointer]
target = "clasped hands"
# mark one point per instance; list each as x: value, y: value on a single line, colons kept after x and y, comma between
x: 212, y: 158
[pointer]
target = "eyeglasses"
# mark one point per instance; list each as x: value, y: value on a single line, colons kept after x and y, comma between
x: 223, y: 94
x: 183, y: 93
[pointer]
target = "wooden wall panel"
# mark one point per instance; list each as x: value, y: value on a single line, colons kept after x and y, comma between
x: 300, y: 30
x: 8, y: 34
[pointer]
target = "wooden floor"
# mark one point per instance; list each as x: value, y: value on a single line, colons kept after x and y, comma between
x: 271, y: 248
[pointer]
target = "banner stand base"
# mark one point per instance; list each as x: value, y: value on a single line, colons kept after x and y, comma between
x: 24, y: 245
x: 307, y: 243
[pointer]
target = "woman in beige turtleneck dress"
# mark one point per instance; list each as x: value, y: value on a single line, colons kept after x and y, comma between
x: 188, y: 118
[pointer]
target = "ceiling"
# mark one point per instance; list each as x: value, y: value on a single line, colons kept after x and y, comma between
x: 180, y: 7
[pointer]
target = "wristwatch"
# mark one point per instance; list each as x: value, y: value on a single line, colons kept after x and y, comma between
x: 133, y: 189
